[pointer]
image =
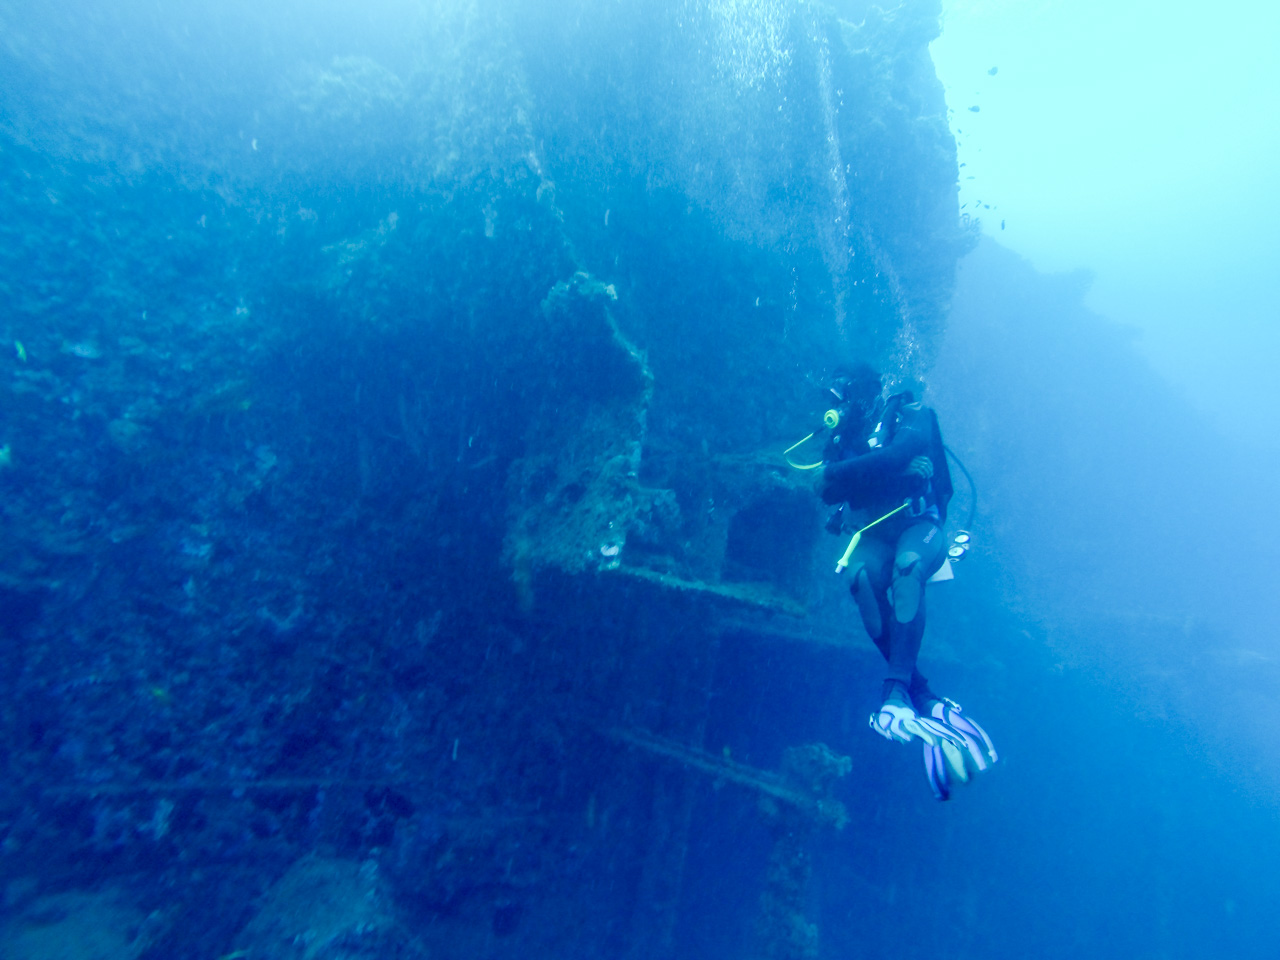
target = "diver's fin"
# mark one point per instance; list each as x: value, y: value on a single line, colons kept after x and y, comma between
x: 957, y: 761
x: 979, y: 752
x: 898, y: 721
x: 935, y: 768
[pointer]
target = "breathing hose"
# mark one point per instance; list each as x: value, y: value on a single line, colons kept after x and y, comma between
x: 973, y: 487
x: 853, y: 544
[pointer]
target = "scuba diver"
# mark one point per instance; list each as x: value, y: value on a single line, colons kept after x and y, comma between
x: 885, y: 468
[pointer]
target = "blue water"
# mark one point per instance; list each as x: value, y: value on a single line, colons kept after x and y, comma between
x: 397, y: 555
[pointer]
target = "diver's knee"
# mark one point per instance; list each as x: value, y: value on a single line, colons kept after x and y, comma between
x: 908, y: 588
x: 905, y: 565
x: 906, y: 599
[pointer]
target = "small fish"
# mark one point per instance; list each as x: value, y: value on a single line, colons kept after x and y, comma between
x: 993, y: 71
x: 20, y: 350
x: 85, y: 349
x: 975, y: 109
x: 1001, y: 224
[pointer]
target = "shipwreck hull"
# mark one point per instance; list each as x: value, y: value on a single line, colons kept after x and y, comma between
x: 388, y: 488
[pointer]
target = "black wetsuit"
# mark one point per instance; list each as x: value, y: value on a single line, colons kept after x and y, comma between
x: 895, y: 558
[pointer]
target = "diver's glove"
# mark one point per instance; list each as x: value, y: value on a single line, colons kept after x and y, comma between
x: 921, y: 467
x: 948, y: 762
x: 897, y: 720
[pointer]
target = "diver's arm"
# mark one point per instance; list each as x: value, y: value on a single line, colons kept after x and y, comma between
x: 856, y: 479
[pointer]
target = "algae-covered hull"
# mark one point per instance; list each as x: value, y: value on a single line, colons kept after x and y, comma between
x: 392, y: 417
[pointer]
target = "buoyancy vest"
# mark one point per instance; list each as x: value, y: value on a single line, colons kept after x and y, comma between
x: 940, y: 486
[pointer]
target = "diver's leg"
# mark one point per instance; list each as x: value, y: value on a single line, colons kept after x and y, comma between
x: 960, y: 747
x: 896, y: 719
x: 919, y: 554
x: 870, y: 573
x: 921, y: 695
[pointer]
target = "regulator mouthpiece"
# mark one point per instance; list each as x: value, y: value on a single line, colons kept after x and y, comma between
x: 831, y: 419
